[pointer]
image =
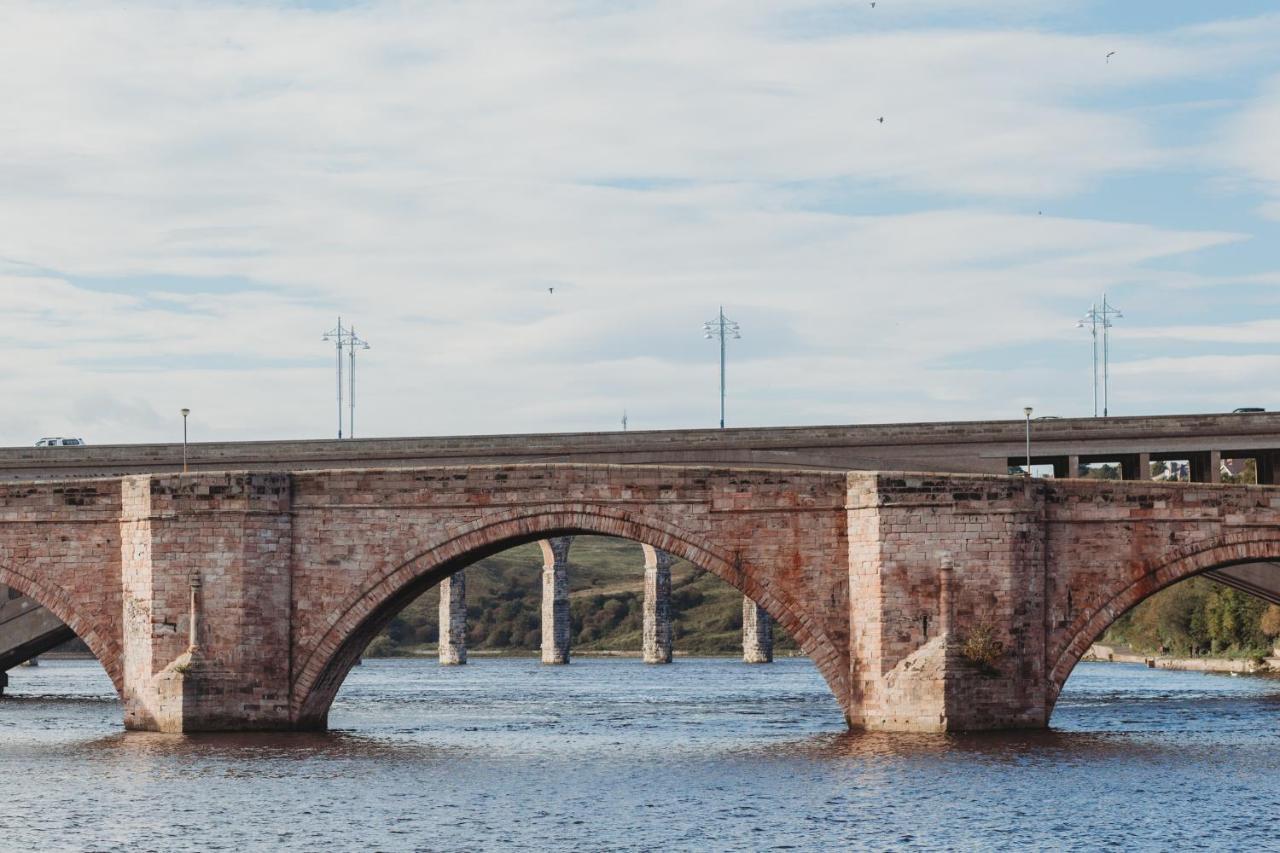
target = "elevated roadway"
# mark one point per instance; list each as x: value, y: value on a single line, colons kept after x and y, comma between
x: 973, y: 447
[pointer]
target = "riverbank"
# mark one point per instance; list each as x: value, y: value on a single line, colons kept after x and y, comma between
x: 1241, y: 666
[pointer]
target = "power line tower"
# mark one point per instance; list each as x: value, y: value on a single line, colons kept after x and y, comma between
x: 1100, y: 318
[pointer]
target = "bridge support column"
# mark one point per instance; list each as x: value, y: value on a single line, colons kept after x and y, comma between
x: 207, y: 601
x: 1206, y: 467
x: 657, y: 605
x: 1135, y: 466
x: 452, y: 642
x: 757, y: 633
x: 947, y: 603
x: 555, y: 599
x: 1268, y: 470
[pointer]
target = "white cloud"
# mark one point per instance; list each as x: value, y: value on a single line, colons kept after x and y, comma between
x: 431, y: 169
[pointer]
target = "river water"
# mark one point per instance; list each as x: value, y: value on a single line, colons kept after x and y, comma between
x: 609, y: 754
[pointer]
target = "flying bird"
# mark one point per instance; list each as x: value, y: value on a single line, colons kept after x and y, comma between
x: 551, y: 290
x: 881, y: 119
x: 873, y: 4
x: 1109, y: 55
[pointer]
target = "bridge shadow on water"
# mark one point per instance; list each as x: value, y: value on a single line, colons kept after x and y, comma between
x: 1016, y: 747
x: 271, y: 748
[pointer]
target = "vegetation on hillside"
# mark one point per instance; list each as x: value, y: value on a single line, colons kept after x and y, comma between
x: 606, y: 599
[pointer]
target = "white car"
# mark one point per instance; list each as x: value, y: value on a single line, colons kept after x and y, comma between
x: 60, y: 442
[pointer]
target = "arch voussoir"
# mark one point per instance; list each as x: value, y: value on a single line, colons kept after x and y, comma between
x: 357, y: 620
x: 82, y: 621
x: 1174, y: 565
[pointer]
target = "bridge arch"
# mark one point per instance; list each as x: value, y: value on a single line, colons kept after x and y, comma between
x: 1157, y: 574
x: 360, y: 618
x: 92, y: 628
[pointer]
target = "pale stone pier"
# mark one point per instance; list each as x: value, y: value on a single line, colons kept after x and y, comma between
x: 555, y: 599
x: 657, y: 605
x: 757, y: 633
x: 453, y: 620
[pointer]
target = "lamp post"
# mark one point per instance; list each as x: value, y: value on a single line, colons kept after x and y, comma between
x: 185, y: 412
x: 1100, y: 318
x: 1027, y: 411
x: 721, y: 327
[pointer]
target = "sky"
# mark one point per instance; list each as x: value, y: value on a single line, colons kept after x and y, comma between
x: 192, y: 193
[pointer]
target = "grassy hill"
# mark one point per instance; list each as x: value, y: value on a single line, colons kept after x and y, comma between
x: 606, y: 597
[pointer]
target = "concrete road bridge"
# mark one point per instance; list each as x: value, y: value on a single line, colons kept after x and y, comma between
x: 240, y: 600
x: 977, y: 447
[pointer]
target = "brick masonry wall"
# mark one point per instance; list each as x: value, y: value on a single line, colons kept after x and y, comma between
x: 902, y: 528
x: 60, y: 545
x: 367, y: 542
x: 299, y: 571
x: 235, y: 532
x: 1113, y: 544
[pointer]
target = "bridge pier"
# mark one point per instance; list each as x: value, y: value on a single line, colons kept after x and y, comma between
x: 757, y: 633
x: 657, y: 605
x: 555, y: 599
x: 1206, y: 466
x: 207, y: 601
x: 452, y: 643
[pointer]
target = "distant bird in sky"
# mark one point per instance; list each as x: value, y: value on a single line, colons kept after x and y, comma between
x: 1109, y: 55
x: 873, y: 4
x: 551, y: 290
x: 881, y: 119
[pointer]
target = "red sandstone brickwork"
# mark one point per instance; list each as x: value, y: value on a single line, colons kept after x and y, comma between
x: 1113, y: 544
x: 912, y: 677
x: 367, y: 542
x: 60, y: 545
x: 299, y: 571
x: 234, y: 532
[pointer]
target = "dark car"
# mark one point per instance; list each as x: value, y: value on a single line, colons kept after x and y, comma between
x: 1247, y: 410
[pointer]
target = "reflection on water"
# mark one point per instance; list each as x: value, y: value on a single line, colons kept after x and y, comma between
x: 611, y: 754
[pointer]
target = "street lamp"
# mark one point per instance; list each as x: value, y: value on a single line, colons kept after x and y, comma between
x: 185, y: 412
x: 1027, y: 411
x: 721, y: 327
x: 1100, y: 318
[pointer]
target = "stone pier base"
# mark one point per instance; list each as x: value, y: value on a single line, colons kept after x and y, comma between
x: 757, y: 633
x: 453, y: 620
x: 657, y: 605
x: 555, y: 599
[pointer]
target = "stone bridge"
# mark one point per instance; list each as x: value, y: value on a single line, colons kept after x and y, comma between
x: 241, y: 600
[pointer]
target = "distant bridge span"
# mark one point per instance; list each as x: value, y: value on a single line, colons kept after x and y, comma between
x: 975, y: 447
